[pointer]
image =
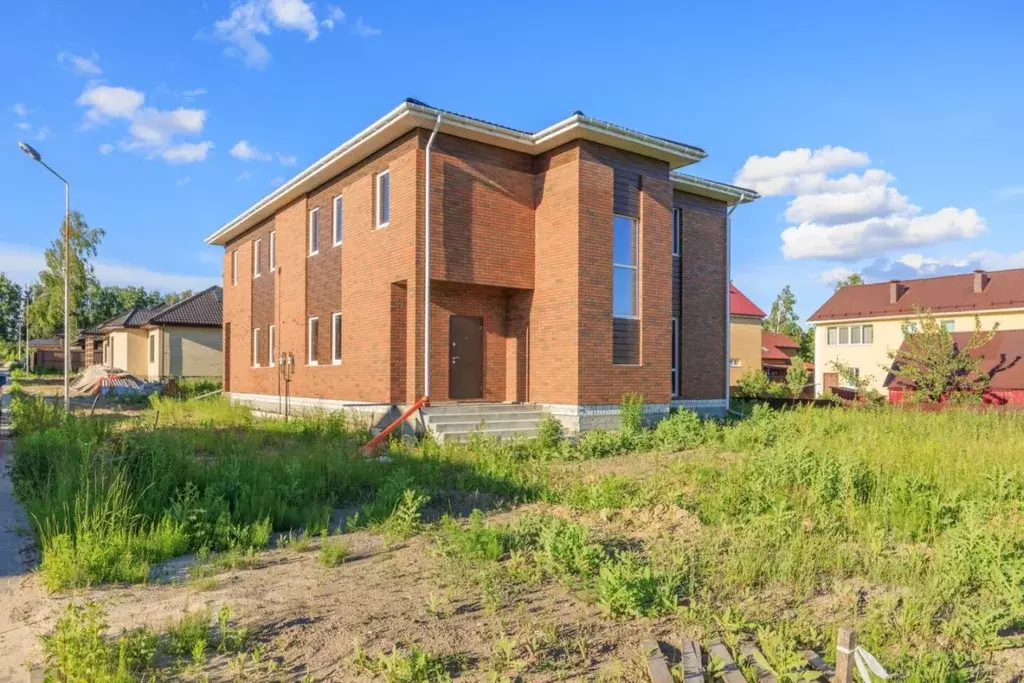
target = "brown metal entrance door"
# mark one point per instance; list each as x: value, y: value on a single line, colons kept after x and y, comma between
x: 465, y: 357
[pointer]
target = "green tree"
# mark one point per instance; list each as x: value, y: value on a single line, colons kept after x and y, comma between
x: 45, y: 314
x: 932, y: 365
x: 849, y: 280
x: 797, y: 377
x: 783, y: 318
x: 10, y: 310
x: 806, y: 352
x: 175, y: 297
x: 103, y: 303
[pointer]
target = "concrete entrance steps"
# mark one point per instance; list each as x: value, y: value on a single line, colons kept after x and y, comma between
x: 456, y: 421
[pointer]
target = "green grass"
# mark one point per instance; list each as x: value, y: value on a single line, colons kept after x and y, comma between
x: 332, y: 553
x: 905, y: 524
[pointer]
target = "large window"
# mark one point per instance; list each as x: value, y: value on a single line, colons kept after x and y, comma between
x: 257, y: 247
x: 336, y: 338
x: 624, y: 270
x: 337, y: 220
x: 675, y: 357
x: 273, y: 251
x: 850, y: 335
x: 256, y: 347
x: 677, y: 228
x: 314, y: 232
x: 312, y: 334
x: 383, y: 198
x: 271, y: 334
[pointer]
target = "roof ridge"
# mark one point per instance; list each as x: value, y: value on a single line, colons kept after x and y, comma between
x: 179, y: 304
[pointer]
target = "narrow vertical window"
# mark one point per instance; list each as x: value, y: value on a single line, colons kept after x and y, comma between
x: 832, y: 336
x: 383, y: 198
x: 677, y: 226
x: 844, y: 335
x: 234, y: 267
x: 257, y: 247
x: 270, y: 345
x: 337, y: 220
x: 256, y: 347
x: 273, y: 251
x: 314, y: 232
x: 312, y: 332
x: 152, y: 348
x: 855, y: 334
x: 868, y: 337
x: 675, y: 357
x: 624, y: 294
x: 336, y: 338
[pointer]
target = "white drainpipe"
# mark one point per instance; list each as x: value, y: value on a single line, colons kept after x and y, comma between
x: 728, y: 293
x: 426, y: 265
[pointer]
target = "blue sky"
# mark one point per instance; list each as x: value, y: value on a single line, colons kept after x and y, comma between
x: 888, y: 133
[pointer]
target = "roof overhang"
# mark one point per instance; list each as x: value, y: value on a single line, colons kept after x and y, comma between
x: 410, y: 115
x: 730, y: 194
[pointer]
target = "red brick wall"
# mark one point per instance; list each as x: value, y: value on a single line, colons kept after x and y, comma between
x: 482, y: 217
x: 554, y: 308
x: 601, y: 381
x: 703, y: 279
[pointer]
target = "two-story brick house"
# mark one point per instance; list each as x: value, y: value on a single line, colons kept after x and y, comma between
x: 567, y: 268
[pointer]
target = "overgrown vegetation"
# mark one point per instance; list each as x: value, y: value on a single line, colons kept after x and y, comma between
x: 906, y: 525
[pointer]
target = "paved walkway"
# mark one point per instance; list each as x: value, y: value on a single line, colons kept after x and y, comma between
x: 15, y: 535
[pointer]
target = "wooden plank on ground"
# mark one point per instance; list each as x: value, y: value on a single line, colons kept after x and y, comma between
x: 692, y: 668
x: 657, y: 665
x: 753, y: 657
x: 816, y: 662
x: 730, y: 670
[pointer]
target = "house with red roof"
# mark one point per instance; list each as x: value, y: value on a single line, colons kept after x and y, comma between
x: 777, y: 353
x: 744, y: 335
x: 859, y: 325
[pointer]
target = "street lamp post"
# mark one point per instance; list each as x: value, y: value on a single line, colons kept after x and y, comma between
x: 29, y: 150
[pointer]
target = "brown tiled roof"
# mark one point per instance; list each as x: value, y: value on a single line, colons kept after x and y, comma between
x: 947, y: 294
x: 205, y: 309
x: 778, y: 339
x: 1004, y: 358
x: 739, y: 304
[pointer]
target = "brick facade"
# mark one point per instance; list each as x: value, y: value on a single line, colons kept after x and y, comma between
x: 521, y: 241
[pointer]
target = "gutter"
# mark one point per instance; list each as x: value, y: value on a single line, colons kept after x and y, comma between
x: 728, y: 294
x: 426, y: 269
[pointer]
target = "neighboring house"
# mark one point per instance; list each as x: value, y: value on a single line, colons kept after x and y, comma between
x: 1002, y: 360
x: 777, y: 353
x: 744, y: 335
x: 49, y: 353
x: 171, y: 340
x: 567, y: 268
x: 860, y: 324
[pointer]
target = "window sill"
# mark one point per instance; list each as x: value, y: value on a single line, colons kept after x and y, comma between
x: 337, y: 362
x: 313, y: 253
x: 627, y: 365
x: 625, y: 317
x: 337, y: 244
x: 312, y: 364
x: 381, y: 226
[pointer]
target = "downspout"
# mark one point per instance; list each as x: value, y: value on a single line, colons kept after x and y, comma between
x: 728, y: 295
x: 426, y: 268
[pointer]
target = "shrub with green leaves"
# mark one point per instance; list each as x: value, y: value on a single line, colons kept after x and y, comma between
x: 682, y: 429
x: 550, y: 434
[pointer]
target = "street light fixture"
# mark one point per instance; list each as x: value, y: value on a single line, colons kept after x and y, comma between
x: 36, y: 156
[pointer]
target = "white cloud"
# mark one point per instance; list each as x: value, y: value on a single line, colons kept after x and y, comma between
x: 287, y: 159
x: 250, y: 21
x: 879, y: 235
x: 107, y: 102
x: 276, y: 180
x: 851, y: 217
x: 183, y: 181
x: 834, y: 275
x: 186, y: 152
x: 106, y: 148
x: 43, y: 132
x: 83, y: 66
x: 245, y: 175
x: 20, y: 109
x: 245, y: 151
x: 22, y: 264
x: 365, y: 30
x: 194, y: 93
x: 295, y: 15
x: 23, y: 125
x: 153, y: 132
x: 334, y: 16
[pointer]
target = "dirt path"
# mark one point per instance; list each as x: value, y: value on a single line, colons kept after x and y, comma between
x: 19, y: 589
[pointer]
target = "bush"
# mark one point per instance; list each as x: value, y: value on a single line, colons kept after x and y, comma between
x: 631, y: 414
x: 682, y: 429
x: 332, y: 553
x: 550, y: 434
x: 600, y: 443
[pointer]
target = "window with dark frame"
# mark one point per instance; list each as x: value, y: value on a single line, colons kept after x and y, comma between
x: 677, y: 225
x: 675, y: 357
